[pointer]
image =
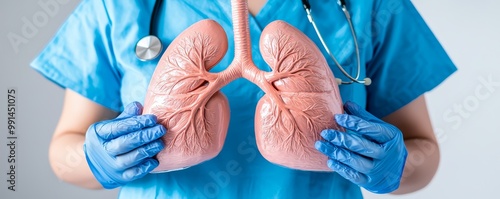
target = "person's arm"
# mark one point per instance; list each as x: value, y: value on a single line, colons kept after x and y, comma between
x: 66, y: 148
x: 423, y: 151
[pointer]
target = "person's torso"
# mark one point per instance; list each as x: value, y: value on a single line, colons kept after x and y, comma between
x: 239, y: 171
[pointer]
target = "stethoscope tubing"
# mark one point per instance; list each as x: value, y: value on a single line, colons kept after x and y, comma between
x: 342, y: 4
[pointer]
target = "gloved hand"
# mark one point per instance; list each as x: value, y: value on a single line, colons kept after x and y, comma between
x: 121, y: 150
x: 371, y: 154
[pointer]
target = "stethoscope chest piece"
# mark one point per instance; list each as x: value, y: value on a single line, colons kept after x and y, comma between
x: 148, y: 48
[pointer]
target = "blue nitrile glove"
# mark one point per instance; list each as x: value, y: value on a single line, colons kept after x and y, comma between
x: 371, y: 154
x: 121, y: 150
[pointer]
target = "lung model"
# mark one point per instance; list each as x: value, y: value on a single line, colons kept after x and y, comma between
x: 301, y: 94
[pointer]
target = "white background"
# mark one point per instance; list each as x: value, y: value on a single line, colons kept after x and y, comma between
x: 470, y: 160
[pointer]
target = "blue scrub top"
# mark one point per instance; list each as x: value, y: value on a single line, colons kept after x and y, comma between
x: 93, y: 54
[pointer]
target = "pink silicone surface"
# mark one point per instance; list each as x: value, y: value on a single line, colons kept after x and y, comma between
x: 301, y: 94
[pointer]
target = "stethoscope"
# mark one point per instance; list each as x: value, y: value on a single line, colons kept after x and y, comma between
x: 150, y: 46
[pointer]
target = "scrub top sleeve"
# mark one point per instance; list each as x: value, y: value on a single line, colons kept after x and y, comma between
x: 407, y: 58
x: 80, y: 56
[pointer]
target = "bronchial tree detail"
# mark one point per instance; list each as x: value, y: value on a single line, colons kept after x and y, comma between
x: 183, y: 83
x: 301, y: 94
x: 295, y: 66
x: 182, y: 95
x: 303, y: 103
x: 186, y: 68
